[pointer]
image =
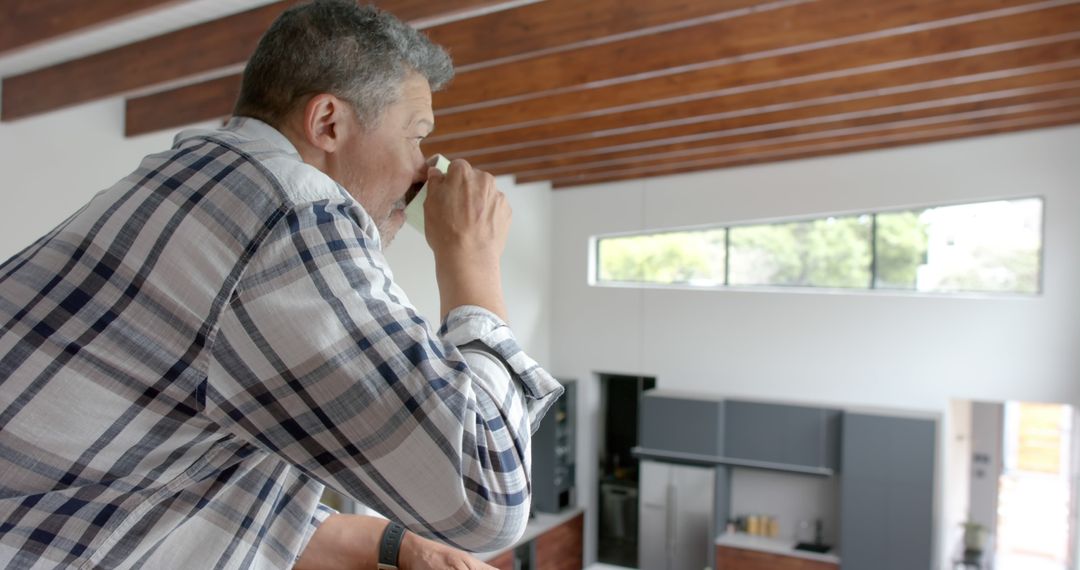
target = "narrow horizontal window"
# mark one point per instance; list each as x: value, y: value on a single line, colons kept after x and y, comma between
x: 985, y: 247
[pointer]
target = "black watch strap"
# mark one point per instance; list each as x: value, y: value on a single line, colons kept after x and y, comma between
x: 390, y: 545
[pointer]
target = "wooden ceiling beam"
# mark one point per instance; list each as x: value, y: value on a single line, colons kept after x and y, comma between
x: 190, y: 51
x: 424, y: 13
x: 818, y: 129
x: 768, y: 118
x: 24, y: 23
x: 558, y: 26
x: 552, y: 26
x: 810, y: 138
x: 871, y: 140
x: 590, y: 132
x: 180, y: 106
x: 776, y: 29
x: 753, y: 73
x: 217, y: 47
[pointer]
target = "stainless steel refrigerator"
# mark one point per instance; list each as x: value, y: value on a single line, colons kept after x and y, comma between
x: 676, y: 516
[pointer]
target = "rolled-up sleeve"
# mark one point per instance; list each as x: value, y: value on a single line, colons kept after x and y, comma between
x: 321, y: 359
x: 476, y: 330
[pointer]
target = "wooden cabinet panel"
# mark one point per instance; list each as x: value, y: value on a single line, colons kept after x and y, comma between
x: 504, y: 561
x: 740, y: 559
x: 560, y: 548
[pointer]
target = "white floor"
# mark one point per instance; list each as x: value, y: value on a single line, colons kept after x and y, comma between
x: 601, y: 566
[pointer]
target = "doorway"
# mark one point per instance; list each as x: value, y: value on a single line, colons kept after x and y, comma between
x: 1017, y: 504
x: 620, y: 397
x: 1035, y: 490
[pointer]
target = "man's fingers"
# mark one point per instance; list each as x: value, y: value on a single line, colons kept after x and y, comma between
x: 434, y: 174
x: 459, y: 168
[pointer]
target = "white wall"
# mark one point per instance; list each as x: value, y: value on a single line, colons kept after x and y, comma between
x: 957, y: 470
x: 871, y: 348
x: 987, y: 444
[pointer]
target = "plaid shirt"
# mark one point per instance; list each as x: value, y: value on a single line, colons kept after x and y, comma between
x: 188, y: 359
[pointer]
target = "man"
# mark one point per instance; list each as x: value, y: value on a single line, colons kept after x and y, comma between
x: 188, y: 359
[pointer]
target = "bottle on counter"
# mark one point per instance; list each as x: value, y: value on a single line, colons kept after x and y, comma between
x: 772, y: 527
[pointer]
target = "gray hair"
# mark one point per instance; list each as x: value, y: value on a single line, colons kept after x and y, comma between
x: 358, y: 53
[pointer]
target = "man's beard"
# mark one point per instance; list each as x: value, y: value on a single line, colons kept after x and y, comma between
x: 387, y: 231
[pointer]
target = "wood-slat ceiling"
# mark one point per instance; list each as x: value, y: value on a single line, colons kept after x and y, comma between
x: 584, y: 91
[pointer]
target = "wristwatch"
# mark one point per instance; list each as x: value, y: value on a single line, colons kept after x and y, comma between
x: 390, y: 545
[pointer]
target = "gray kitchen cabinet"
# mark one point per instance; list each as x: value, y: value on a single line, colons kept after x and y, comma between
x: 780, y: 435
x: 680, y: 424
x: 887, y: 492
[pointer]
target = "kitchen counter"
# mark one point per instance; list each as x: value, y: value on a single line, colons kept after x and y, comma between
x: 781, y: 546
x: 538, y: 525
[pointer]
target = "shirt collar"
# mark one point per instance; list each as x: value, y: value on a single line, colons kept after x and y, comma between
x: 246, y: 129
x: 250, y: 128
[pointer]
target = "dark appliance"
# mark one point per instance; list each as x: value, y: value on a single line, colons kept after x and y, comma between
x: 554, y: 449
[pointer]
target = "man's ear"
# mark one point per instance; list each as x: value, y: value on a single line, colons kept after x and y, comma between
x: 326, y: 122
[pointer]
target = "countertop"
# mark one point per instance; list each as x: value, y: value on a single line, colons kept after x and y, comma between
x: 783, y: 547
x: 538, y: 525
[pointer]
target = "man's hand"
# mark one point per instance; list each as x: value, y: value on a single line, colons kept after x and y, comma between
x: 466, y: 221
x: 351, y: 542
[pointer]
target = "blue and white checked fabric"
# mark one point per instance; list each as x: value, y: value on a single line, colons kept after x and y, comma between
x: 188, y: 359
